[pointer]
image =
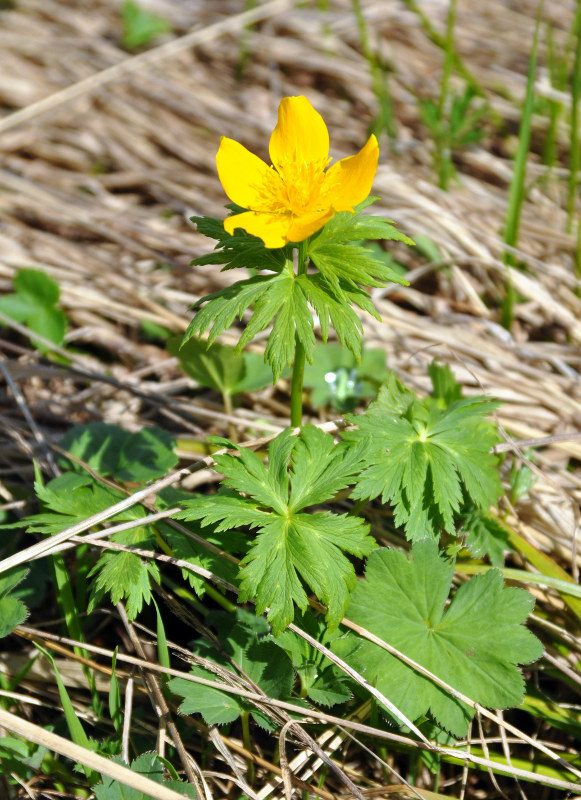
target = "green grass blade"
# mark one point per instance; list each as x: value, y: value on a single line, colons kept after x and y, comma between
x: 517, y: 185
x: 76, y: 730
x: 115, y: 697
x: 386, y: 117
x: 69, y: 610
x: 575, y: 95
x: 444, y: 144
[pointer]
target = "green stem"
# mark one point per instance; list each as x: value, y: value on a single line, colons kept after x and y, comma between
x: 575, y: 96
x: 296, y: 399
x: 444, y: 156
x: 247, y: 742
x: 219, y: 598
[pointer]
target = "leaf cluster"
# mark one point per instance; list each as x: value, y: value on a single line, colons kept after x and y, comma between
x: 286, y: 300
x: 112, y: 451
x: 462, y: 127
x: 75, y: 495
x: 429, y: 457
x: 151, y: 766
x: 293, y: 546
x: 219, y: 366
x: 34, y: 303
x: 320, y: 680
x: 70, y: 499
x: 140, y: 26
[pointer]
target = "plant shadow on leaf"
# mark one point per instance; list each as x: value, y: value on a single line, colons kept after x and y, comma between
x: 221, y: 367
x: 240, y: 647
x: 113, y: 451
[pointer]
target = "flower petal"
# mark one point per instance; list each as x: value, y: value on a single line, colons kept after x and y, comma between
x: 305, y: 226
x: 349, y: 181
x: 300, y: 134
x: 243, y: 175
x: 271, y: 228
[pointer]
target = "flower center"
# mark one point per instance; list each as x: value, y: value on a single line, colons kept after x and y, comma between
x: 297, y: 188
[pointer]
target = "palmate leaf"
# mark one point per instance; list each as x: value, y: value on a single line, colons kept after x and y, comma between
x: 474, y: 645
x: 339, y: 256
x: 69, y: 499
x: 292, y: 546
x: 276, y: 299
x: 111, y: 450
x: 219, y: 366
x: 73, y: 497
x: 425, y: 459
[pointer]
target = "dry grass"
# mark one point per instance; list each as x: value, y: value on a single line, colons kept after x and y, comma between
x: 96, y: 185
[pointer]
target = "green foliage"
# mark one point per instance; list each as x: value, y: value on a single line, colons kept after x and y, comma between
x: 151, y: 766
x: 254, y: 656
x: 112, y: 451
x: 303, y: 471
x: 239, y: 250
x: 284, y: 299
x: 320, y: 679
x: 188, y: 549
x: 220, y: 367
x: 12, y: 610
x: 343, y: 261
x: 74, y: 724
x: 425, y: 457
x: 125, y: 576
x: 73, y: 497
x: 66, y: 500
x: 115, y: 707
x: 474, y: 644
x: 522, y: 479
x: 33, y: 303
x: 140, y: 26
x: 453, y: 131
x: 485, y: 535
x: 336, y: 379
x: 20, y: 758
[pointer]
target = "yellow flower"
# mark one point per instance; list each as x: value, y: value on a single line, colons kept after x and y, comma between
x: 295, y: 197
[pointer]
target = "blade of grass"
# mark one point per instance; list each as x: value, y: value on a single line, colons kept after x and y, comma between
x: 440, y: 41
x: 115, y: 697
x: 74, y: 725
x: 522, y: 576
x: 66, y: 602
x: 386, y: 117
x: 443, y: 148
x: 574, y: 142
x: 517, y: 185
